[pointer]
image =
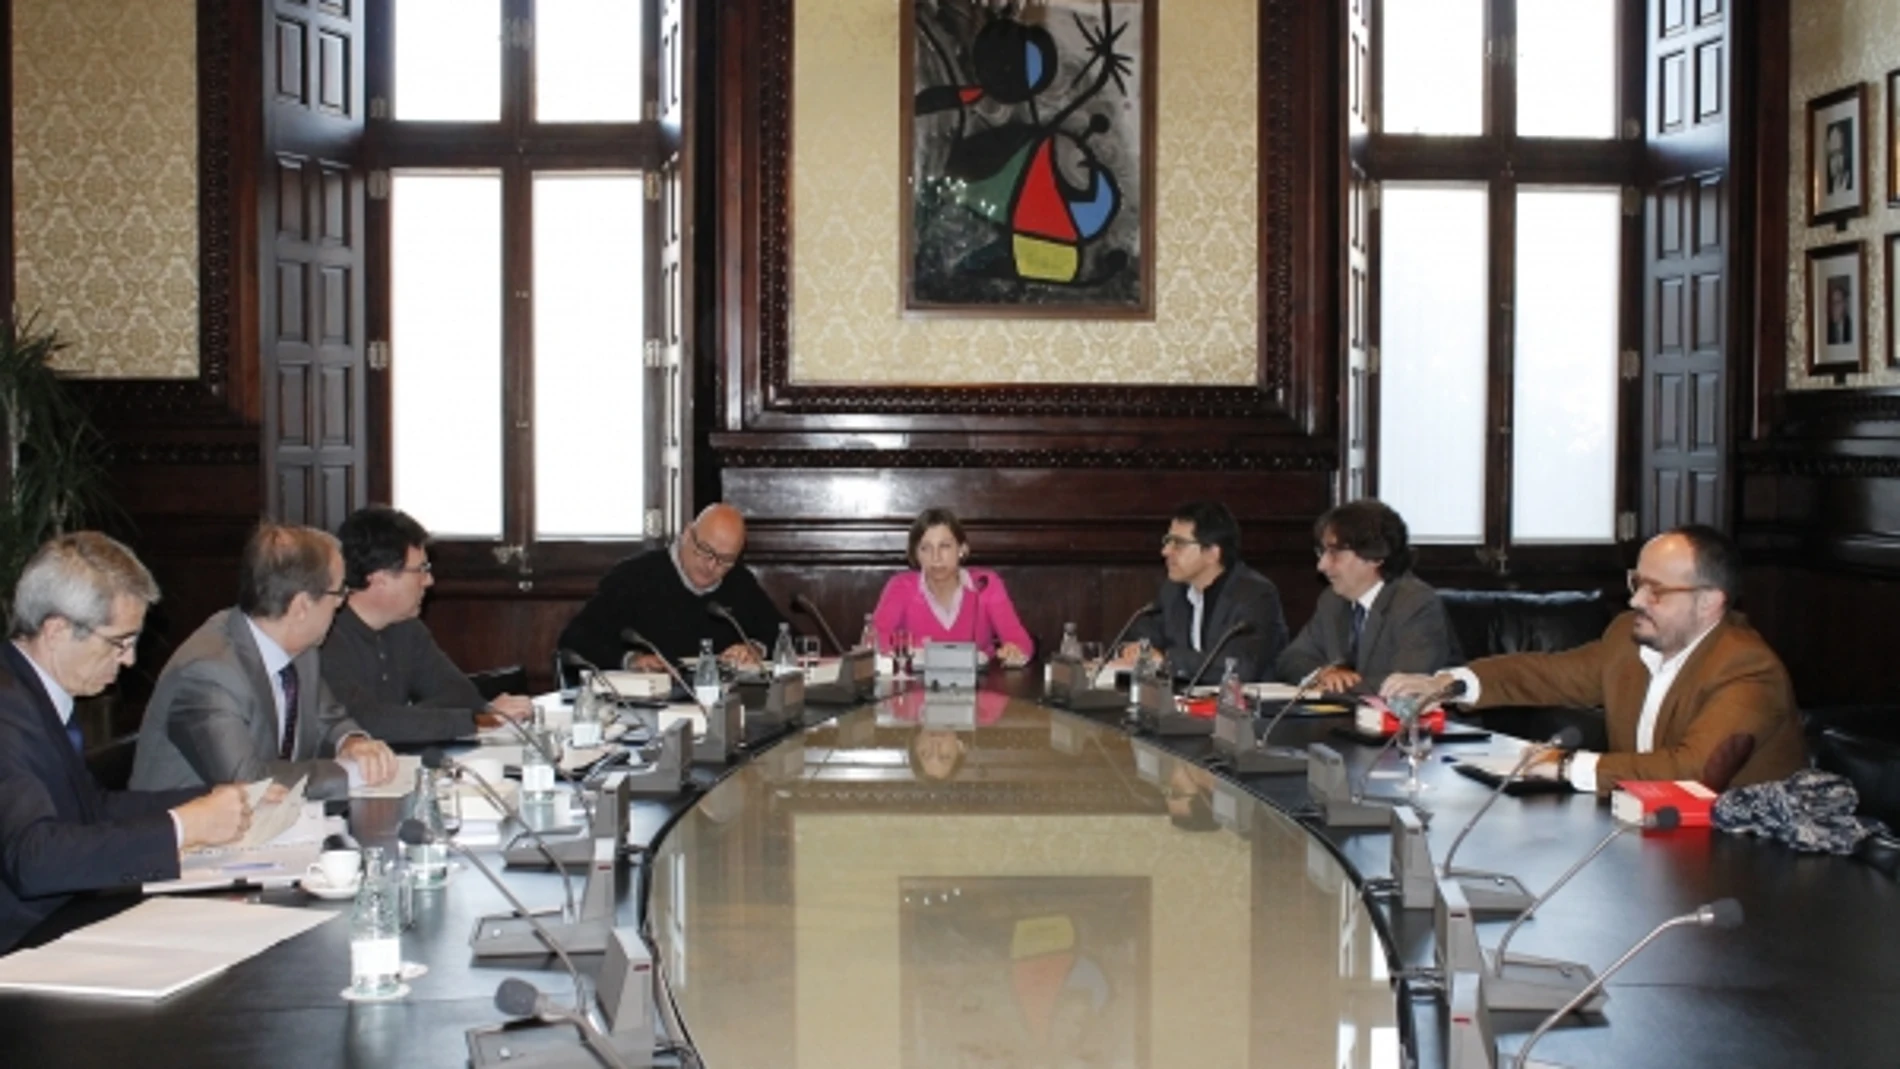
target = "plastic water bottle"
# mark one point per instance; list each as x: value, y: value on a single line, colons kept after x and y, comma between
x: 1233, y: 694
x: 706, y: 689
x: 867, y: 639
x: 376, y: 929
x: 1071, y: 648
x: 590, y: 712
x: 428, y: 862
x: 784, y: 652
x: 537, y: 774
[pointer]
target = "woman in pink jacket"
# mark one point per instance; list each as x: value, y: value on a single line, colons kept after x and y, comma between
x: 942, y: 601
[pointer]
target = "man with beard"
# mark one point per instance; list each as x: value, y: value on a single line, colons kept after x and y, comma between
x: 1689, y: 690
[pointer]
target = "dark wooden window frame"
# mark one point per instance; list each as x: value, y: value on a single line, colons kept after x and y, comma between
x: 1503, y: 162
x: 517, y: 148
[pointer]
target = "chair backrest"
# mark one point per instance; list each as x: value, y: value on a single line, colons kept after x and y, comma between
x: 1871, y: 765
x: 512, y: 679
x: 111, y: 764
x: 1488, y: 622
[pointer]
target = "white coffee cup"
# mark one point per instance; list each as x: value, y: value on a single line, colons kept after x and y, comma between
x: 336, y: 868
x: 488, y: 768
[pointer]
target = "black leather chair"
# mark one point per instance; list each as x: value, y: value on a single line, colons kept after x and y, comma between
x: 1490, y: 622
x: 512, y: 679
x: 1871, y: 765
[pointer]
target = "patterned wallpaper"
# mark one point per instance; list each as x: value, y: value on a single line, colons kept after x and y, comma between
x: 105, y: 168
x: 846, y: 324
x: 1834, y: 45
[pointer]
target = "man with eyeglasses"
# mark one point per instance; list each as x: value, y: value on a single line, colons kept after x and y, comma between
x: 380, y: 659
x: 77, y: 610
x: 244, y: 699
x: 667, y: 594
x: 1208, y: 591
x: 1376, y: 617
x: 1689, y: 690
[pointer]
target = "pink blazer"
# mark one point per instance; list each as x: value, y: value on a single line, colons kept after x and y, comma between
x: 986, y: 617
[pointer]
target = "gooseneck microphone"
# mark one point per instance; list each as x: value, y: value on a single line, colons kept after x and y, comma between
x: 1114, y: 648
x: 435, y: 760
x: 1567, y: 739
x: 1266, y: 734
x: 528, y: 738
x: 519, y: 998
x: 715, y: 609
x: 635, y: 638
x: 1668, y: 818
x: 804, y: 604
x: 1239, y: 627
x: 415, y: 833
x: 1722, y: 913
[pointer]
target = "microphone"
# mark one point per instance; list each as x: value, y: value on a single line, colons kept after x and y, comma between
x: 1240, y: 627
x: 715, y: 609
x: 1114, y: 648
x: 1266, y: 735
x: 415, y: 833
x: 565, y: 659
x: 434, y: 759
x: 1668, y: 818
x: 519, y: 998
x: 1722, y: 913
x: 804, y: 604
x: 1566, y: 739
x: 635, y: 638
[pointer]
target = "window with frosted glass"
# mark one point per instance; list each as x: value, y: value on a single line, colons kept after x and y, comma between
x: 448, y: 60
x: 1433, y: 384
x: 589, y: 384
x: 445, y: 339
x: 1566, y: 68
x: 1434, y: 67
x: 587, y: 61
x: 1563, y: 485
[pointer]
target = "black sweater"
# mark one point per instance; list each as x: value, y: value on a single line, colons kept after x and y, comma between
x: 646, y: 593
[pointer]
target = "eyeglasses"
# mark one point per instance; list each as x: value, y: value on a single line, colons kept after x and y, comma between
x: 123, y: 644
x: 1330, y: 550
x: 340, y: 593
x: 1173, y: 541
x: 724, y: 560
x: 421, y: 569
x: 1655, y: 590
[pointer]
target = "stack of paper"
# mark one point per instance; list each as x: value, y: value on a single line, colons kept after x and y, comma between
x: 155, y: 949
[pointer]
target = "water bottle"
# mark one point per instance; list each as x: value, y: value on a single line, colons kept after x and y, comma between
x: 706, y: 689
x: 784, y: 652
x: 1142, y: 672
x: 428, y: 862
x: 537, y: 773
x: 867, y: 639
x: 376, y: 929
x: 590, y: 712
x: 1233, y: 694
x: 1071, y: 648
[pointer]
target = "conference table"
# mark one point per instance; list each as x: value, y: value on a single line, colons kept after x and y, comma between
x: 956, y: 880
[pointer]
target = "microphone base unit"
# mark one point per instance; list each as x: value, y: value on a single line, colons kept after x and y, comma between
x: 535, y: 1044
x: 521, y: 852
x: 1470, y: 1042
x: 856, y: 682
x: 1537, y: 985
x: 665, y: 776
x: 1331, y: 790
x: 1156, y: 713
x: 776, y: 705
x: 1097, y: 700
x: 610, y: 824
x: 505, y: 935
x: 1491, y: 893
x: 1412, y: 860
x: 724, y: 736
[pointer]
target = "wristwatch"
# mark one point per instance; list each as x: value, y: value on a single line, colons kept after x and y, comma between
x: 1563, y: 766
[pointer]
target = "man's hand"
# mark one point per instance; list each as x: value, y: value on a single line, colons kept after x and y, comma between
x: 515, y: 707
x: 372, y: 759
x: 1544, y: 766
x: 643, y: 662
x: 1011, y: 655
x: 219, y: 817
x: 1335, y: 679
x: 275, y: 793
x: 1415, y: 686
x: 739, y: 655
x: 1125, y: 657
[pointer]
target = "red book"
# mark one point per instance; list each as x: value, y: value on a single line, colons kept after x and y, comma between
x: 1635, y: 799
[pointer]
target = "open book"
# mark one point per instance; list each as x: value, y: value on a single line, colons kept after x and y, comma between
x: 155, y: 949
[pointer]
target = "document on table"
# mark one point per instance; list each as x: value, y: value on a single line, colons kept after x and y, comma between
x: 284, y: 839
x: 398, y: 785
x: 155, y: 949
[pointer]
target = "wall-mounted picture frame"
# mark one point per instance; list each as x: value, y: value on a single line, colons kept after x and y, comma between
x: 1893, y: 138
x: 1892, y: 295
x: 1837, y: 309
x: 1837, y: 156
x: 1028, y: 151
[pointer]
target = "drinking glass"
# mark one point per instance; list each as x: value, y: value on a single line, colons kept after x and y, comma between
x: 900, y: 653
x: 1414, y: 741
x: 808, y: 652
x: 1091, y: 664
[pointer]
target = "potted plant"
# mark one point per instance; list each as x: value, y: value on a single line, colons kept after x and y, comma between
x: 52, y: 458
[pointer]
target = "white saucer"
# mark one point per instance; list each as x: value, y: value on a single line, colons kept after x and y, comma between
x: 316, y: 885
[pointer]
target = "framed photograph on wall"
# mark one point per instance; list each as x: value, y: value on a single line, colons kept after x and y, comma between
x: 1893, y: 139
x: 1837, y: 307
x: 1892, y: 294
x: 1837, y: 156
x: 1028, y: 148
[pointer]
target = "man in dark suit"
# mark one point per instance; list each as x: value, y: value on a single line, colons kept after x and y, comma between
x: 1208, y: 591
x: 1376, y: 618
x: 244, y: 697
x: 77, y: 612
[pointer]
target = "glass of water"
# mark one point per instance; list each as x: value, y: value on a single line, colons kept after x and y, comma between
x: 808, y: 652
x: 1414, y: 741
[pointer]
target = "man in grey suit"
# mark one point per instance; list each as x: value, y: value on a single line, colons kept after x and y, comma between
x: 244, y: 698
x: 1377, y: 617
x: 1208, y: 591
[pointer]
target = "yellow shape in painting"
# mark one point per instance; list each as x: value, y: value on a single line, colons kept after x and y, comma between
x: 1035, y: 936
x: 1046, y: 261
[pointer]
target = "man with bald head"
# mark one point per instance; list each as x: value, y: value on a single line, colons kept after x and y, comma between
x: 666, y: 595
x: 1689, y: 690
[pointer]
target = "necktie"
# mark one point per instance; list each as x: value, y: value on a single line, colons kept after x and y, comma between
x: 1358, y: 628
x: 78, y: 739
x: 288, y: 744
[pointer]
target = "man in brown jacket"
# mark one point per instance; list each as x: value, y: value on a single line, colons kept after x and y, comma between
x: 1689, y: 690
